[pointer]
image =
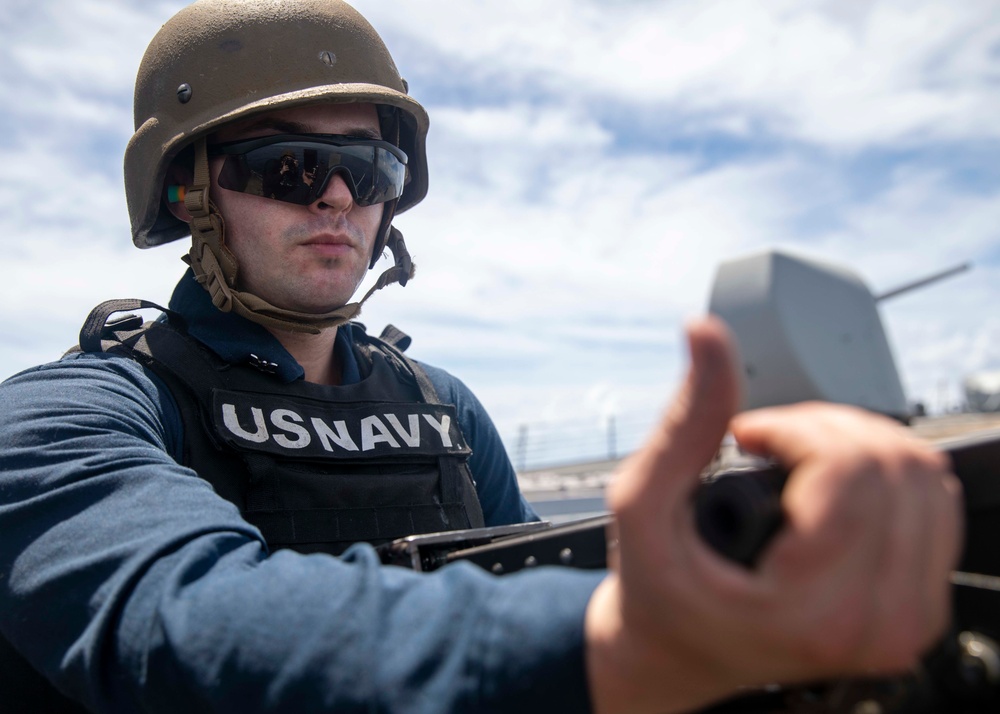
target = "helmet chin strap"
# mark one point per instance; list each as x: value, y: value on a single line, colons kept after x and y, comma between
x: 215, y: 266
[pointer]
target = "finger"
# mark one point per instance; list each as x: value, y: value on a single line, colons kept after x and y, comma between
x: 865, y: 488
x: 667, y: 468
x: 826, y: 562
x: 792, y: 433
x: 901, y: 603
x: 915, y: 597
x: 946, y: 529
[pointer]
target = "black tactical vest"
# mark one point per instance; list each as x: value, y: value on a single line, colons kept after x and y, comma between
x: 315, y: 468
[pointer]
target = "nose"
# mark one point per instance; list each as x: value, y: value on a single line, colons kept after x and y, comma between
x: 335, y: 195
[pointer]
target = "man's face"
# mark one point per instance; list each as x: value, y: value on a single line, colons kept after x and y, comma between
x: 303, y: 258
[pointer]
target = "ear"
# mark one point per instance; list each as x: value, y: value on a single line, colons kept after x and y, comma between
x: 177, y: 176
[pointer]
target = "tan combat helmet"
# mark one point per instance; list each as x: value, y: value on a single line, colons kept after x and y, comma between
x: 218, y: 61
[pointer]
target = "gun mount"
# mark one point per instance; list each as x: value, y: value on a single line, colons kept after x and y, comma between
x: 737, y: 512
x: 810, y: 329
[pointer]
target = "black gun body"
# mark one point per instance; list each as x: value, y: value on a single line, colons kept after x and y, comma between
x: 737, y: 512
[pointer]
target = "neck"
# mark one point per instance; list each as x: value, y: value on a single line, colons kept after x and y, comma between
x: 314, y: 352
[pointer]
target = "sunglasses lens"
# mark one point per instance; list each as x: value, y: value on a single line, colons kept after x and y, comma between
x: 297, y: 171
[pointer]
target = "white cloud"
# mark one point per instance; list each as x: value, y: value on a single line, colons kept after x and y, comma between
x: 841, y: 73
x: 564, y: 238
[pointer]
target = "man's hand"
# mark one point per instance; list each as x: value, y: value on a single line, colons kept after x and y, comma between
x: 855, y: 583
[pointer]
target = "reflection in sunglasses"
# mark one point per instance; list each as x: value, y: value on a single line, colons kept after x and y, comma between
x: 296, y: 167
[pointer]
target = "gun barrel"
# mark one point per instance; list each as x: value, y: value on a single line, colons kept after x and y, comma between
x: 922, y: 282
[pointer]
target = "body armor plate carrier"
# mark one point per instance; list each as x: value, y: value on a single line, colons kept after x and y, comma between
x: 314, y: 467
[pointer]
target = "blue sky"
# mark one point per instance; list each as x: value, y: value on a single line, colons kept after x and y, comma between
x: 590, y: 164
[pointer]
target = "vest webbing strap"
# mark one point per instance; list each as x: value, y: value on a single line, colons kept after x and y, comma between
x: 395, y: 337
x: 350, y: 525
x: 96, y: 326
x: 394, y: 350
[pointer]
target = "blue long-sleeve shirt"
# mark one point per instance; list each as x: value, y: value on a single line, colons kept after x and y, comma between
x: 129, y: 583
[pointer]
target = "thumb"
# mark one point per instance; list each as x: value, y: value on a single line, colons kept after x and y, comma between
x: 666, y: 469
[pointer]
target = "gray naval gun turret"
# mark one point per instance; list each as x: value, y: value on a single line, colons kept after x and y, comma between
x: 810, y: 329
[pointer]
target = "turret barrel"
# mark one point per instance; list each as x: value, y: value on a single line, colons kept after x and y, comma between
x: 922, y: 282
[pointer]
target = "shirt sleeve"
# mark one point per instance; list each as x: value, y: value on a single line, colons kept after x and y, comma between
x: 132, y: 586
x: 496, y: 482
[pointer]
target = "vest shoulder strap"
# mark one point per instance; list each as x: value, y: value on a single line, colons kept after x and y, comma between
x: 175, y: 350
x: 98, y: 328
x: 161, y: 346
x: 395, y: 337
x: 391, y: 343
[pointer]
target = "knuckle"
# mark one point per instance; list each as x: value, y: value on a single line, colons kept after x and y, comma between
x: 954, y: 491
x: 938, y: 461
x: 618, y: 496
x: 925, y: 463
x: 867, y: 488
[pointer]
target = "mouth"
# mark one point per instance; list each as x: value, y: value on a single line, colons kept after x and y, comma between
x: 329, y: 244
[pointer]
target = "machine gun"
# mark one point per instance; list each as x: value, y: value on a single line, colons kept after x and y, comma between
x: 807, y: 329
x: 737, y: 512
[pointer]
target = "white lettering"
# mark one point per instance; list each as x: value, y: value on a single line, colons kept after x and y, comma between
x: 410, y: 437
x: 340, y: 437
x: 441, y: 428
x: 233, y: 424
x: 287, y: 420
x: 368, y: 436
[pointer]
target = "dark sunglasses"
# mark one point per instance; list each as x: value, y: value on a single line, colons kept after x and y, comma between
x: 296, y: 167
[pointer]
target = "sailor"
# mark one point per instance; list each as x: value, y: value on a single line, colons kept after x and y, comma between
x: 188, y: 506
